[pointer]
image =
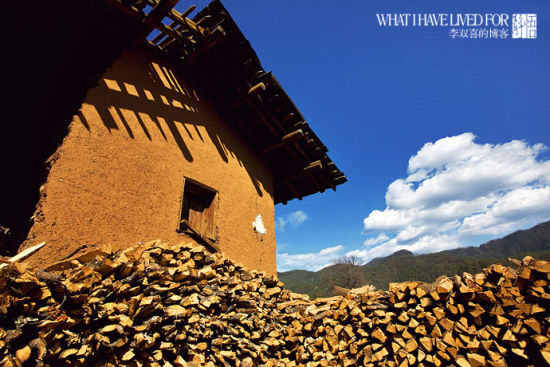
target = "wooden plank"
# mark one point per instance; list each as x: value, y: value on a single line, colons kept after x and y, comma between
x: 196, y: 209
x: 210, y: 218
x: 23, y: 254
x: 195, y: 234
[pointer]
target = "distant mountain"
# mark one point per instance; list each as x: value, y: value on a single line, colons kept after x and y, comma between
x: 403, y: 265
x: 383, y: 260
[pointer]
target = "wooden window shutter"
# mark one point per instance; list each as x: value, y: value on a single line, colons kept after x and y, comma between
x: 198, y: 210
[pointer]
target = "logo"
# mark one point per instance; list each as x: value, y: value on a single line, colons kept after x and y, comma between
x: 524, y: 26
x: 467, y: 25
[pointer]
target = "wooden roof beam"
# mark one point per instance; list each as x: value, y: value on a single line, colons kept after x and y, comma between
x: 149, y: 22
x: 270, y: 116
x: 161, y: 35
x: 257, y: 88
x: 168, y: 31
x: 251, y: 93
x: 181, y: 17
x: 288, y: 117
x: 338, y: 181
x: 298, y: 134
x: 312, y: 167
x: 264, y: 119
x: 188, y: 11
x: 128, y: 9
x: 180, y: 30
x: 202, y: 20
x: 244, y: 128
x: 155, y: 17
x: 293, y: 189
x: 301, y: 151
x: 215, y: 36
x: 316, y: 182
x: 175, y: 24
x: 265, y: 115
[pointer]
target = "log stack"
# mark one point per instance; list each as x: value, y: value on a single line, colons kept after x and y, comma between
x: 179, y: 305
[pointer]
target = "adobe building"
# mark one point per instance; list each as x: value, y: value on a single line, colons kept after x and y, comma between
x: 151, y: 125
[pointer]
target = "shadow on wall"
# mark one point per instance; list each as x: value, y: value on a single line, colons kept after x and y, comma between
x: 57, y: 51
x: 127, y: 93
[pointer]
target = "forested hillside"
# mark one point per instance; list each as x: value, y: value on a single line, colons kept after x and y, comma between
x: 404, y: 265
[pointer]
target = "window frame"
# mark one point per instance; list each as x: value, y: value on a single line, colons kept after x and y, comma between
x: 194, y: 188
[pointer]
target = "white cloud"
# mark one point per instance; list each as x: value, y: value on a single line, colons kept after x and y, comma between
x: 382, y: 237
x: 312, y: 261
x: 293, y: 219
x: 457, y: 190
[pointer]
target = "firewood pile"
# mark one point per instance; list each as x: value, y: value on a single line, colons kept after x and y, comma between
x: 179, y: 305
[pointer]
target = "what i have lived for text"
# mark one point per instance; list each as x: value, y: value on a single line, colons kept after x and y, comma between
x: 443, y: 20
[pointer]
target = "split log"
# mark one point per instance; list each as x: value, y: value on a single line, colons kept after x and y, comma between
x: 178, y: 305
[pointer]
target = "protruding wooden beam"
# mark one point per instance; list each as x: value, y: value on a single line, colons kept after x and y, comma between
x: 284, y: 140
x: 169, y: 31
x: 182, y: 18
x: 251, y: 93
x: 188, y: 11
x: 203, y: 19
x: 293, y: 189
x: 155, y: 17
x: 338, y: 181
x: 215, y: 36
x: 161, y: 35
x: 316, y: 183
x: 176, y: 26
x: 313, y: 166
x: 194, y: 27
x: 288, y: 117
x: 257, y: 88
x: 128, y: 9
x: 244, y: 128
x: 299, y: 149
x: 168, y: 41
x: 276, y: 132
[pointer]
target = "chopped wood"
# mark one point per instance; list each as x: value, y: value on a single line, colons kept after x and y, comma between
x: 162, y: 305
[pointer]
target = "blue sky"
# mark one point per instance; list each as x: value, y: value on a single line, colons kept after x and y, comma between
x: 376, y: 96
